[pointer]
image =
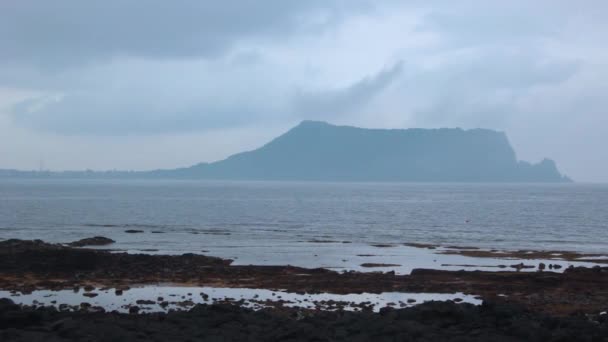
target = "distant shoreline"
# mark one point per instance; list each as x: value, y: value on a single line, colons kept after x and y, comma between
x: 319, y: 151
x: 141, y: 175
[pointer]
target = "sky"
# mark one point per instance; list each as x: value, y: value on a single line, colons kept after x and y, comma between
x: 137, y: 85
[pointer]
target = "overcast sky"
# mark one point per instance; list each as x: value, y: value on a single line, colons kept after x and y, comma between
x: 129, y: 84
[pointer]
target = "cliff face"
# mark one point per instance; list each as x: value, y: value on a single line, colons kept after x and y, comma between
x: 323, y: 152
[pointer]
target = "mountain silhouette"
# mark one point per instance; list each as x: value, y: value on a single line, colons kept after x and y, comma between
x: 319, y: 151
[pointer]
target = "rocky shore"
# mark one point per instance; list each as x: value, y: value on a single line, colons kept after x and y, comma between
x: 431, y: 321
x: 29, y: 265
x: 540, y: 305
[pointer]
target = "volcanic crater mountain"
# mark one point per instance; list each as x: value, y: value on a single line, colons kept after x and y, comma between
x: 318, y: 151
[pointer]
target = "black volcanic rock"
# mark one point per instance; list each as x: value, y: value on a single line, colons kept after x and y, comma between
x: 323, y: 152
x: 430, y: 321
x: 94, y: 241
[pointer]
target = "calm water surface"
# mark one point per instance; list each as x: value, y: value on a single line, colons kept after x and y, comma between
x: 255, y: 219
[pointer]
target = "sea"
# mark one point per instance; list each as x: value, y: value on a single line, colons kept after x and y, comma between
x: 311, y: 224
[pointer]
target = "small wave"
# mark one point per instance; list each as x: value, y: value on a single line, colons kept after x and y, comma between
x: 102, y: 225
x: 209, y: 231
x: 129, y: 225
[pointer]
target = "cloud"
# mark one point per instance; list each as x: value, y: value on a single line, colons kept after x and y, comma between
x: 154, y: 97
x: 482, y: 88
x: 66, y: 33
x: 189, y: 106
x: 131, y: 71
x: 327, y: 104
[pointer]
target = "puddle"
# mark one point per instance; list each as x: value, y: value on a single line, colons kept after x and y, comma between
x: 165, y: 298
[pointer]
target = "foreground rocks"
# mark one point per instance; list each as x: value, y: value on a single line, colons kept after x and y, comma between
x: 433, y: 321
x: 94, y: 241
x: 29, y: 265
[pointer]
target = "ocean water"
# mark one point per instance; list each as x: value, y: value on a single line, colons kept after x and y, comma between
x: 286, y: 223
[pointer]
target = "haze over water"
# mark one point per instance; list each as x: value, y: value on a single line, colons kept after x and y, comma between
x: 245, y: 218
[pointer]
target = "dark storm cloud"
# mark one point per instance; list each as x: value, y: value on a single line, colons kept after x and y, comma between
x: 72, y: 32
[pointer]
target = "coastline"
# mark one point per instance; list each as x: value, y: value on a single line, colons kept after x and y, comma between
x: 122, y: 296
x: 26, y: 266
